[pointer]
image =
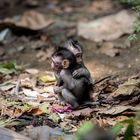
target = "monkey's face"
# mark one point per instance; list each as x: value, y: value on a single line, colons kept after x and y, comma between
x: 56, y: 63
x: 79, y: 59
x: 78, y: 54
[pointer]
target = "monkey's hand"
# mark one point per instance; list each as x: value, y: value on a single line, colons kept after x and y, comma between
x: 78, y: 73
x: 58, y: 90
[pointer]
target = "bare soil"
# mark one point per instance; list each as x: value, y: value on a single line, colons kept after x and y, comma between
x: 126, y: 63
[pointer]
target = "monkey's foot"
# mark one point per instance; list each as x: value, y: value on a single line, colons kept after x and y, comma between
x: 75, y: 106
x: 63, y: 103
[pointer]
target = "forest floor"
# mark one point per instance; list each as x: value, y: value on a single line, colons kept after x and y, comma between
x: 33, y: 48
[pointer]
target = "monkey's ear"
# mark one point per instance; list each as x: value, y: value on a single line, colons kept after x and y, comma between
x: 65, y: 63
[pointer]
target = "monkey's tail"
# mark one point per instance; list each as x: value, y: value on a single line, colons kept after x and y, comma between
x: 88, y: 104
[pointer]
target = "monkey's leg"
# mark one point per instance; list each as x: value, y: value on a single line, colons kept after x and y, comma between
x: 70, y: 98
x: 61, y: 99
x: 58, y: 91
x: 77, y: 86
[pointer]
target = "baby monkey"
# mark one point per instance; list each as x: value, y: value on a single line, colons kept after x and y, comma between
x: 74, y: 47
x: 70, y: 90
x: 77, y: 50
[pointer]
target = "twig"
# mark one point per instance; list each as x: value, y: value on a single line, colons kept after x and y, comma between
x: 102, y: 79
x: 17, y: 87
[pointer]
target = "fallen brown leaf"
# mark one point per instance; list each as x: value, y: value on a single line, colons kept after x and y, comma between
x: 18, y: 112
x: 36, y: 112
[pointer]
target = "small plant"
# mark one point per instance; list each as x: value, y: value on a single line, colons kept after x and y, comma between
x: 124, y: 130
x: 10, y: 68
x: 88, y: 131
x: 136, y: 26
x: 130, y: 125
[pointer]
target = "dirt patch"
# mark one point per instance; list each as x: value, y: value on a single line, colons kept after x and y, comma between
x: 22, y: 50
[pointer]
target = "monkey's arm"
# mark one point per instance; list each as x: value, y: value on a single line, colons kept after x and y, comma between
x: 58, y: 89
x: 59, y: 80
x: 81, y: 72
x: 71, y: 83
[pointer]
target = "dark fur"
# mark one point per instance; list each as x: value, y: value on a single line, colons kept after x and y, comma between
x: 73, y: 91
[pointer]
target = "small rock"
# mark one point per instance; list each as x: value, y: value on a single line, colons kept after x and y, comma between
x: 109, y: 50
x: 32, y: 71
x: 107, y: 28
x: 6, y: 36
x: 20, y: 48
x: 122, y: 43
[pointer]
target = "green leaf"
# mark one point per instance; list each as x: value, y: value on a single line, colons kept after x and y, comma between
x: 136, y: 27
x: 84, y: 129
x: 47, y: 78
x: 137, y: 116
x: 129, y: 132
x: 10, y: 68
x: 132, y: 37
x: 9, y: 122
x: 117, y: 128
x: 7, y: 68
x: 45, y: 108
x: 8, y: 65
x: 137, y: 8
x: 128, y: 121
x: 6, y: 71
x: 15, y: 103
x: 134, y: 2
x: 54, y: 117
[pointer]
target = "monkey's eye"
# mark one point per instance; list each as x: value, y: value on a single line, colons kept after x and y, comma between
x: 78, y: 55
x: 57, y: 64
